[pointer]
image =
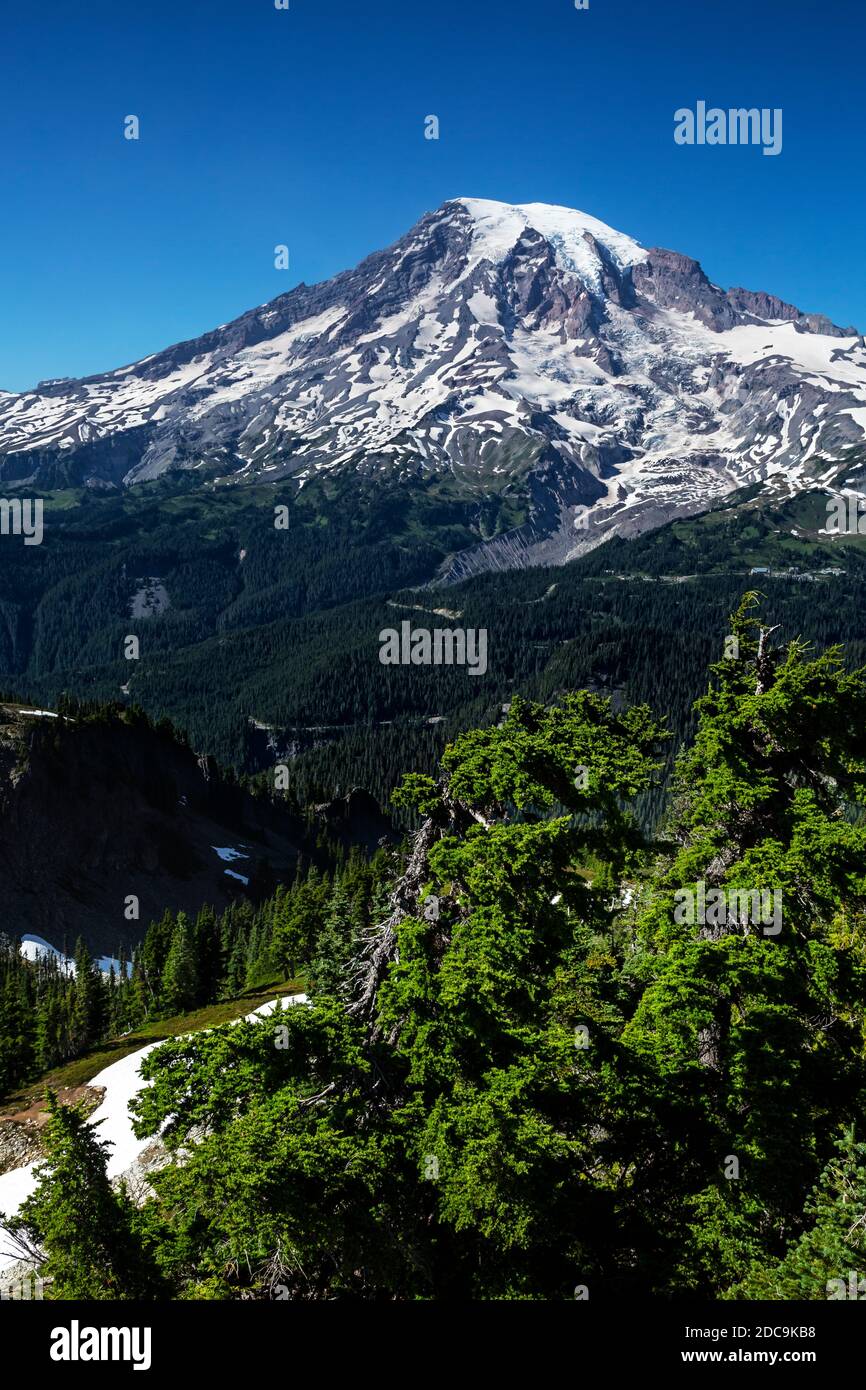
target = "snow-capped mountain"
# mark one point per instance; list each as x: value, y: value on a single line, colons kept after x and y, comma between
x: 512, y: 347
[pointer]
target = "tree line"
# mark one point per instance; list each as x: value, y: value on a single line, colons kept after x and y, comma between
x: 53, y: 1011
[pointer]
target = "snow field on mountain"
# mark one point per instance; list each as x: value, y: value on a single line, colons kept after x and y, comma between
x: 473, y: 346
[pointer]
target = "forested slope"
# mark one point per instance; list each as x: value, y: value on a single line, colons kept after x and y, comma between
x: 549, y: 1059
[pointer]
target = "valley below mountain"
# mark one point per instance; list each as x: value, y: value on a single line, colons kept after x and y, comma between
x: 444, y: 435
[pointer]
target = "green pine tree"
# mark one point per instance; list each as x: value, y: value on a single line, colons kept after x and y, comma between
x: 180, y: 977
x: 86, y: 1229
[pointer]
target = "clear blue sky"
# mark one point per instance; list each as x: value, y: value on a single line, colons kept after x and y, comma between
x: 261, y: 126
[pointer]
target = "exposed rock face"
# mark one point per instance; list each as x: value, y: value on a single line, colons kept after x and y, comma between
x: 357, y: 819
x: 672, y: 281
x: 92, y: 813
x: 21, y: 1132
x: 530, y: 349
x: 19, y: 1144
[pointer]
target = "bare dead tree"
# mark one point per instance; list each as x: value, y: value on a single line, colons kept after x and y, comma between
x: 764, y: 660
x: 379, y: 946
x: 17, y: 1243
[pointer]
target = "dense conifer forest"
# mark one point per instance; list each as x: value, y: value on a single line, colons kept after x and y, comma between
x: 267, y: 650
x: 53, y: 1010
x: 545, y: 1055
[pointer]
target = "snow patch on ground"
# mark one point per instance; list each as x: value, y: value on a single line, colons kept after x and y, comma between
x: 121, y: 1081
x: 32, y: 947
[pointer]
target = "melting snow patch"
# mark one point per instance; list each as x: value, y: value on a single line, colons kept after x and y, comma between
x: 121, y: 1082
x: 32, y: 947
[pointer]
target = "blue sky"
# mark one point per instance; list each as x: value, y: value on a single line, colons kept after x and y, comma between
x: 306, y: 127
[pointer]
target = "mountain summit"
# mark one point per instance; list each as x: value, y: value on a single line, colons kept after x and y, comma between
x: 525, y: 348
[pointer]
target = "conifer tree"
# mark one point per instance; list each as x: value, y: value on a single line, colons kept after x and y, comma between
x: 85, y: 1228
x: 208, y: 952
x: 829, y: 1258
x: 89, y: 1002
x: 18, y: 1029
x: 180, y: 978
x: 752, y: 1018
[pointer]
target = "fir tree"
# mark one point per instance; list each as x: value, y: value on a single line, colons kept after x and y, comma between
x: 85, y: 1228
x: 180, y: 978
